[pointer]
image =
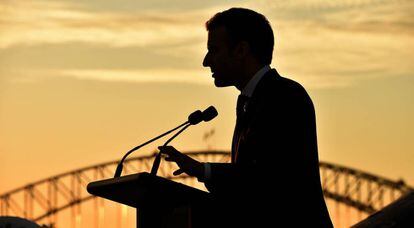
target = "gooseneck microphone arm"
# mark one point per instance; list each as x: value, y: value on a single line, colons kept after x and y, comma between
x: 157, y: 159
x: 207, y: 115
x: 176, y: 134
x: 120, y: 166
x: 193, y: 119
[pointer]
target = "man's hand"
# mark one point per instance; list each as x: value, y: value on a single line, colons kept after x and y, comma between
x: 185, y: 163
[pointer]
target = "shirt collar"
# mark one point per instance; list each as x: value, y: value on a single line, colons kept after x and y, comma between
x: 249, y: 88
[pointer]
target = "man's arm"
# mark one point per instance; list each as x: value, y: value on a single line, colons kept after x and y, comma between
x: 185, y: 163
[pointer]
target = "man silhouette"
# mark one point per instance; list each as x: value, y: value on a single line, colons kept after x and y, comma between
x: 273, y: 178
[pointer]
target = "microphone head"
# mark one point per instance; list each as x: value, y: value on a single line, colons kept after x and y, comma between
x: 195, y: 117
x: 209, y: 114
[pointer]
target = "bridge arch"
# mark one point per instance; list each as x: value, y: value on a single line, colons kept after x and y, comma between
x: 43, y: 200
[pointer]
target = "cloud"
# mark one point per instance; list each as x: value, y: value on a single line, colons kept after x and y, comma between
x: 202, y: 77
x: 161, y: 75
x: 47, y: 22
x: 340, y: 43
x: 36, y: 22
x: 320, y: 43
x: 314, y: 49
x: 374, y: 16
x: 79, y: 55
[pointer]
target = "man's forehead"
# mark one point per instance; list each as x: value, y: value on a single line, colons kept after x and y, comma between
x: 217, y: 35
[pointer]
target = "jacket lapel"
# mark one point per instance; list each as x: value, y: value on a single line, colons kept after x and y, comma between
x: 243, y: 120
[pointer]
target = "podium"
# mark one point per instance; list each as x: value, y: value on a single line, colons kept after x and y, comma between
x: 160, y: 203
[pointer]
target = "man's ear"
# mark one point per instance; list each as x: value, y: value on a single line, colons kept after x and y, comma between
x: 242, y: 50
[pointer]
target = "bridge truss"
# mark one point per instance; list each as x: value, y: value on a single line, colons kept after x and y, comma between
x: 61, y: 200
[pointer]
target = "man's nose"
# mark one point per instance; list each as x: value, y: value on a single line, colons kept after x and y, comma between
x: 206, y: 61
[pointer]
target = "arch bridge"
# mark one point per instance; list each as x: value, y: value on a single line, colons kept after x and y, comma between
x: 62, y: 200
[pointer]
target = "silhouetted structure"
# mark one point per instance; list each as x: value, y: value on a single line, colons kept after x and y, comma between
x: 398, y: 214
x: 160, y: 203
x: 55, y: 198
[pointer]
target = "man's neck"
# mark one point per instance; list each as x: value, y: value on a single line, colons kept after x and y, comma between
x: 249, y: 72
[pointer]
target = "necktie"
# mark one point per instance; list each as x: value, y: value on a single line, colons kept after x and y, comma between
x: 241, y: 102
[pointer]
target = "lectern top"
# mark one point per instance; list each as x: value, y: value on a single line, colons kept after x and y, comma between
x: 146, y: 190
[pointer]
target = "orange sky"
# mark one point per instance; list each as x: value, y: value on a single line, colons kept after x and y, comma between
x: 83, y: 82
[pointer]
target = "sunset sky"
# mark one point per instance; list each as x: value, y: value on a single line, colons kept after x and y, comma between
x: 82, y: 82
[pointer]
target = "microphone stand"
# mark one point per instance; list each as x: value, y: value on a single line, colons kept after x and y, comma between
x: 207, y: 115
x: 193, y: 119
x: 157, y: 159
x: 120, y: 166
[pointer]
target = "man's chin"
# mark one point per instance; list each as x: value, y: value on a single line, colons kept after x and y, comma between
x: 220, y: 83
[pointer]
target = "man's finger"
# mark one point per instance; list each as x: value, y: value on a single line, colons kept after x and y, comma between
x: 170, y: 159
x: 167, y: 150
x: 178, y: 172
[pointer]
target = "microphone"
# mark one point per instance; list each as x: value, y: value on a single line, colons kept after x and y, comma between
x: 207, y: 115
x: 193, y: 119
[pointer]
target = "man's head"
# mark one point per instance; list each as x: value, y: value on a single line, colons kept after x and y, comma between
x: 238, y: 39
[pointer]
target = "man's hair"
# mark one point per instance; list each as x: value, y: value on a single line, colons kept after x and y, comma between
x: 249, y: 26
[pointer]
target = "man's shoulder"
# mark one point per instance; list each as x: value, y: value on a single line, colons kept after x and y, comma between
x: 281, y: 91
x: 276, y: 84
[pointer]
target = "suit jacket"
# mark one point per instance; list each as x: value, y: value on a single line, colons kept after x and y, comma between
x: 274, y: 179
